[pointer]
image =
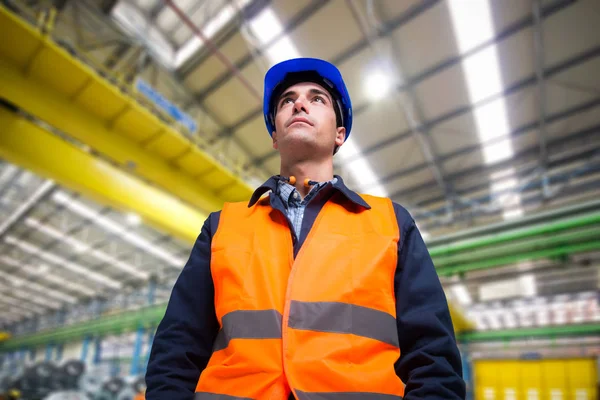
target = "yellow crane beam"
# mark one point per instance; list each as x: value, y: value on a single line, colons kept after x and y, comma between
x: 26, y: 144
x: 49, y: 83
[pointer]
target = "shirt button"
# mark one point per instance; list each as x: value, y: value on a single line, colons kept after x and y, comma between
x: 296, y: 195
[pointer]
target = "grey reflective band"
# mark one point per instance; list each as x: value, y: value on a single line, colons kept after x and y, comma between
x: 345, y: 396
x: 344, y: 318
x: 248, y: 324
x: 215, y: 396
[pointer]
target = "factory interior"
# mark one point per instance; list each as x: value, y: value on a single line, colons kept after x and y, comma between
x: 125, y: 123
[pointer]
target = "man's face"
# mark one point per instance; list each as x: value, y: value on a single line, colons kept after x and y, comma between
x: 305, y: 121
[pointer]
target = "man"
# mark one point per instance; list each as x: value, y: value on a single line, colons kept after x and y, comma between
x: 310, y: 290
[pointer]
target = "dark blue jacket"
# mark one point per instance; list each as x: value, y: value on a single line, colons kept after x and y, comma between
x: 429, y: 365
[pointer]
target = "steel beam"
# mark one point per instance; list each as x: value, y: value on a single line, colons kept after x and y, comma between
x: 33, y: 148
x: 533, y: 178
x: 519, y: 163
x: 584, y: 188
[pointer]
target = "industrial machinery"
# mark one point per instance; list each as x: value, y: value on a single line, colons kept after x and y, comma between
x: 69, y: 380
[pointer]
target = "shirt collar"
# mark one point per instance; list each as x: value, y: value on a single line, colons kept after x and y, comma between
x: 272, y: 182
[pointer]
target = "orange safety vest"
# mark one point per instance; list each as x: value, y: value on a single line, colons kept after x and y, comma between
x: 322, y: 325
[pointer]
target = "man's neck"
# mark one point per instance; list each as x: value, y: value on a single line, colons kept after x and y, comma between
x: 313, y: 170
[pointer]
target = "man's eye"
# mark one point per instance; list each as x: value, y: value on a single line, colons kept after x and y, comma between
x: 319, y: 98
x: 287, y: 100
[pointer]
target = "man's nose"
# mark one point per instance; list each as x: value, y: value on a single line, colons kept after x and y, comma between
x: 300, y: 105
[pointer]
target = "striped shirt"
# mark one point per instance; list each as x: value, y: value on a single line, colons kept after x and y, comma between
x: 295, y: 205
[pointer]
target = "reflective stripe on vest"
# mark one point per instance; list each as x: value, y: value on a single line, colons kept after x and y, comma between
x: 321, y: 325
x: 346, y: 396
x: 244, y: 324
x: 215, y: 396
x: 343, y: 318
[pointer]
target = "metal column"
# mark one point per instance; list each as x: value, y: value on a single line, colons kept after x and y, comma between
x: 59, y: 352
x: 49, y: 350
x: 84, y: 348
x: 97, y: 350
x: 137, y: 350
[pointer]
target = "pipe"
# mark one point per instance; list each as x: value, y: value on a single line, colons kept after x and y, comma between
x: 526, y: 333
x: 124, y: 322
x: 514, y: 258
x: 540, y: 243
x: 541, y: 229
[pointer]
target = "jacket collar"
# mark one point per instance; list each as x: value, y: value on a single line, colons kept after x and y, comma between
x: 271, y: 185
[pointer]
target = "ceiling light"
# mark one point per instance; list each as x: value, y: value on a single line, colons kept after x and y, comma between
x: 38, y: 288
x: 509, y: 319
x: 266, y: 26
x: 42, y: 268
x: 194, y: 44
x: 527, y: 283
x: 81, y: 247
x: 133, y: 219
x: 114, y: 228
x: 377, y: 86
x: 282, y: 50
x: 461, y: 294
x: 40, y: 272
x: 59, y: 261
x: 512, y: 213
x: 473, y: 25
x: 360, y: 170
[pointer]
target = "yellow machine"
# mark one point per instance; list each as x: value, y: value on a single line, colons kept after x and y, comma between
x: 546, y: 379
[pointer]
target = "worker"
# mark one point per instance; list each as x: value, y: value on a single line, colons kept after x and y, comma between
x: 309, y: 290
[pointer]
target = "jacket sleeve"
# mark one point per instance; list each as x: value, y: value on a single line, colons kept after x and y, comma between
x: 184, y: 339
x: 430, y: 363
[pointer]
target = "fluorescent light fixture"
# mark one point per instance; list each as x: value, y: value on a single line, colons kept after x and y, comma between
x: 137, y: 25
x: 473, y: 25
x: 81, y: 247
x: 377, y: 85
x: 266, y: 26
x: 194, y: 44
x: 282, y: 50
x: 527, y: 283
x: 64, y: 263
x: 483, y: 78
x: 114, y: 228
x: 28, y: 296
x: 493, y: 319
x: 509, y: 319
x: 37, y: 288
x: 461, y: 294
x: 133, y: 219
x: 360, y: 169
x: 41, y: 273
x: 503, y: 185
x: 16, y: 303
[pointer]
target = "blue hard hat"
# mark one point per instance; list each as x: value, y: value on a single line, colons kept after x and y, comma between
x: 329, y: 77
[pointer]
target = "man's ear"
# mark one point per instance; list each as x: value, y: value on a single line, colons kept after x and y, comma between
x: 340, y: 135
x: 274, y: 136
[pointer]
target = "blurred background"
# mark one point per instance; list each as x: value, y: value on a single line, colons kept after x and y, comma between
x: 123, y: 123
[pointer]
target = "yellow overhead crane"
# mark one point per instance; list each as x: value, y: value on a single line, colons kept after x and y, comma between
x: 45, y: 81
